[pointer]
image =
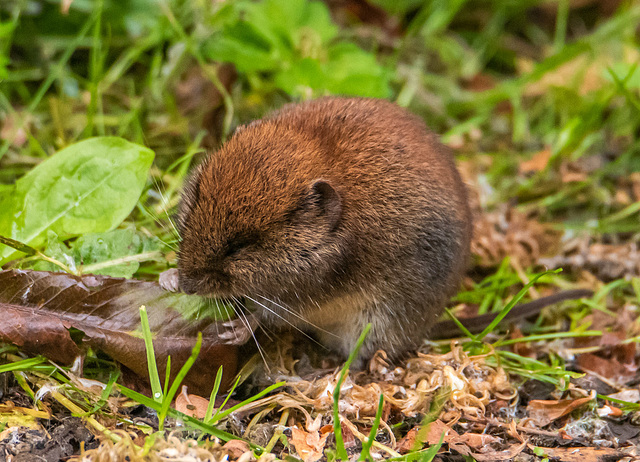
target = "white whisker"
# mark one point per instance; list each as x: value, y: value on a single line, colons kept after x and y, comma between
x: 245, y: 321
x: 163, y: 212
x: 284, y: 319
x: 293, y: 313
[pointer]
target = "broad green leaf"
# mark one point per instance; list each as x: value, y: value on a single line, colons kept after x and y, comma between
x: 109, y: 249
x: 304, y: 73
x: 244, y: 46
x: 88, y: 187
x: 318, y: 18
x: 116, y: 253
x: 297, y: 42
x: 352, y: 71
x: 57, y: 249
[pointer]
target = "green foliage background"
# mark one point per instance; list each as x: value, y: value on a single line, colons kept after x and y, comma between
x: 500, y: 81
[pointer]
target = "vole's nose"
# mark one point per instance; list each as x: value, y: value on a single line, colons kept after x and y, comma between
x: 187, y: 290
x: 188, y: 286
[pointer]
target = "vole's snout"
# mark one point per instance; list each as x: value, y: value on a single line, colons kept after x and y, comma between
x: 208, y: 282
x: 192, y: 282
x: 188, y: 286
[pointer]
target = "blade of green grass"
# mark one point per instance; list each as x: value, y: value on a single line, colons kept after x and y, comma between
x: 551, y: 336
x: 337, y: 428
x: 513, y: 303
x: 154, y: 377
x: 212, y: 397
x: 182, y: 373
x: 365, y: 454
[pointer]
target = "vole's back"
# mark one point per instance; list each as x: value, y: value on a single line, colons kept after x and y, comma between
x: 386, y: 222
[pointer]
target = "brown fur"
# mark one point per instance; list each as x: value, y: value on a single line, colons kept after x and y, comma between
x: 344, y: 211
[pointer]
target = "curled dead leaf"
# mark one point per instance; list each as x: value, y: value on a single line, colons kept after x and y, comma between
x: 309, y: 444
x: 39, y: 309
x: 437, y: 429
x: 609, y: 411
x: 543, y: 412
x: 537, y: 163
x: 192, y: 405
x: 609, y: 368
x: 236, y: 448
x: 476, y: 440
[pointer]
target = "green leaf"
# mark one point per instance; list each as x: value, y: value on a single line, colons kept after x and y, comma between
x: 109, y: 248
x: 116, y: 253
x: 4, y: 62
x: 318, y: 19
x: 296, y: 41
x: 88, y: 187
x: 352, y: 71
x: 245, y: 47
x: 57, y: 250
x: 300, y: 75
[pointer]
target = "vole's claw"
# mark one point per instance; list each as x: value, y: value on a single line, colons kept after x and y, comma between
x: 169, y: 280
x: 228, y: 335
x: 238, y: 331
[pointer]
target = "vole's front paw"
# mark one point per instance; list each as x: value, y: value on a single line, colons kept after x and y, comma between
x: 169, y: 280
x: 238, y: 331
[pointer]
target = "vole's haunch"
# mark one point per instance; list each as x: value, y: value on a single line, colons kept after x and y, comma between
x: 329, y: 215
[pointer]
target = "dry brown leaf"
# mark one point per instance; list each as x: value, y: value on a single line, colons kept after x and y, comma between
x: 476, y: 440
x: 236, y: 448
x: 480, y: 82
x: 347, y: 436
x: 537, y: 163
x: 309, y: 445
x: 524, y: 349
x: 583, y: 454
x: 609, y: 411
x: 192, y: 405
x: 571, y: 172
x: 40, y: 307
x: 436, y: 429
x: 543, y: 412
x: 407, y: 443
x: 493, y: 456
x: 610, y: 368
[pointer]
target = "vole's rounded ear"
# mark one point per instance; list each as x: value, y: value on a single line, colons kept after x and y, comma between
x: 325, y: 202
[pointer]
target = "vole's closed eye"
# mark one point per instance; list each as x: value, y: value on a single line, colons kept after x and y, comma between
x: 240, y: 242
x: 234, y: 249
